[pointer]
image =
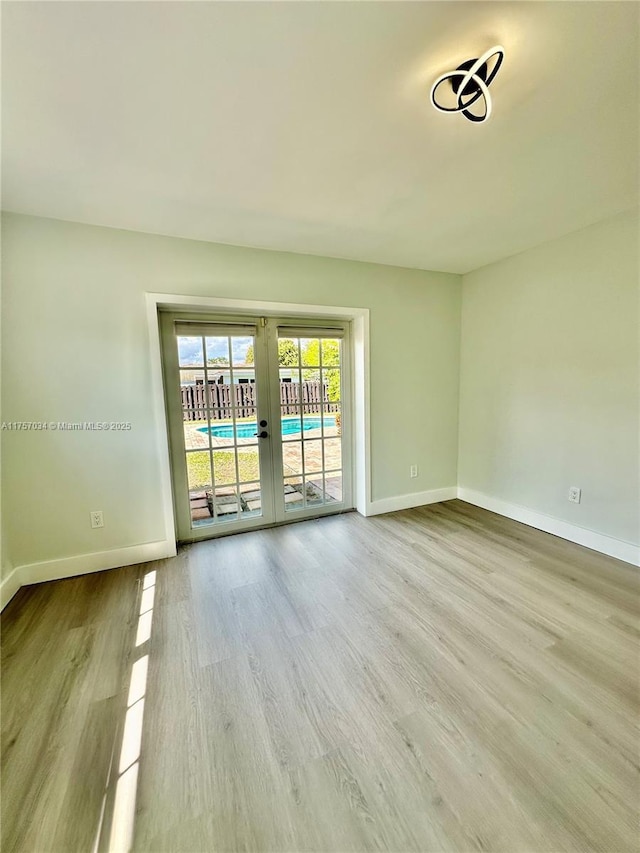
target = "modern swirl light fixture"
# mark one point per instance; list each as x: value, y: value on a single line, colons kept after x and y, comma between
x: 470, y: 82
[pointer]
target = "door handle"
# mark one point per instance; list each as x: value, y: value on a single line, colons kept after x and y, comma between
x: 263, y: 434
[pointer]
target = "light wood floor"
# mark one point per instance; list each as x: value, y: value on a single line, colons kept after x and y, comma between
x: 440, y: 679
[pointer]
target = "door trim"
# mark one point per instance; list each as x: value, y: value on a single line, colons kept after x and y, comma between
x: 360, y: 403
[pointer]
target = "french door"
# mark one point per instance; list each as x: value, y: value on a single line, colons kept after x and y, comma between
x: 259, y: 420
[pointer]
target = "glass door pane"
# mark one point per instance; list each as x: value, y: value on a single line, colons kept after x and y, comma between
x: 220, y: 450
x: 233, y: 427
x: 310, y: 379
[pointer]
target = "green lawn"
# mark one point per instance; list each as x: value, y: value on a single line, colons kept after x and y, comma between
x: 223, y: 460
x: 224, y: 465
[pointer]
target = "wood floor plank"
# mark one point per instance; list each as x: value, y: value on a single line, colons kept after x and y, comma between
x: 88, y: 780
x: 435, y: 680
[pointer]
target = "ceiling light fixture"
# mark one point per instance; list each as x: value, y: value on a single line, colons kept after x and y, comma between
x: 470, y: 81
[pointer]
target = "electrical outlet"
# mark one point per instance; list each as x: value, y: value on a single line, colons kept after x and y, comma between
x: 413, y: 471
x: 97, y: 519
x: 574, y: 494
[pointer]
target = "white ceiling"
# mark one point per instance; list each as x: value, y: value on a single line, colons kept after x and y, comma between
x: 306, y: 126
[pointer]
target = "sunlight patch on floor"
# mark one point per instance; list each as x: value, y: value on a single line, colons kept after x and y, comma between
x: 124, y: 809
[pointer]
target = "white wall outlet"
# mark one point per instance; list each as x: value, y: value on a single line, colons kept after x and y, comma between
x: 413, y: 471
x: 97, y: 519
x: 574, y: 494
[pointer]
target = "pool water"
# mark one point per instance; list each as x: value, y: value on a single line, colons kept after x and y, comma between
x: 248, y: 429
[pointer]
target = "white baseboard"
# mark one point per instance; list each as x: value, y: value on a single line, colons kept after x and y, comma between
x: 83, y: 564
x: 118, y: 557
x: 8, y: 588
x: 626, y: 551
x: 411, y: 500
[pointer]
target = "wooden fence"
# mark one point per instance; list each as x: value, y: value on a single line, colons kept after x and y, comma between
x: 194, y: 403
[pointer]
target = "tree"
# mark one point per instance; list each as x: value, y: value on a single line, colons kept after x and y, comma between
x: 218, y: 359
x: 310, y: 355
x: 330, y: 353
x: 330, y: 358
x: 287, y: 353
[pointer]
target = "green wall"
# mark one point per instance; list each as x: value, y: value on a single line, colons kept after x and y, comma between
x: 549, y: 379
x: 75, y: 348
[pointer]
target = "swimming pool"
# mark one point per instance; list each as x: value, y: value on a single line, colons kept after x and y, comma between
x: 290, y: 425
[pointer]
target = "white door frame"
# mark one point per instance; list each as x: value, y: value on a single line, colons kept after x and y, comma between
x: 359, y: 317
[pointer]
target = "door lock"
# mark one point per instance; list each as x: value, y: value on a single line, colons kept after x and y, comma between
x: 262, y: 434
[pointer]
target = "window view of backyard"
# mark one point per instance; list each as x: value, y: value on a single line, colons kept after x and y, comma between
x: 219, y: 412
